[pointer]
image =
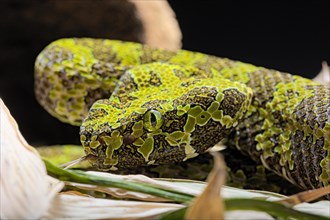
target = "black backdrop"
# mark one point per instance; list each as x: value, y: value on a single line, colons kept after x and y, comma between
x: 290, y: 36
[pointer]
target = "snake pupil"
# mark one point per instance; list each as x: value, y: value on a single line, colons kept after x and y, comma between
x: 153, y: 120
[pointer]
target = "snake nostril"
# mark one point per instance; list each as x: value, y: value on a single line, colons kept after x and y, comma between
x: 128, y: 138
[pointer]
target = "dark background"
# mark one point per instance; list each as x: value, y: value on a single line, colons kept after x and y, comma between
x: 291, y: 36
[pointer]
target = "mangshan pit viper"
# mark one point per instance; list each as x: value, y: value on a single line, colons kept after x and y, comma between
x: 140, y: 106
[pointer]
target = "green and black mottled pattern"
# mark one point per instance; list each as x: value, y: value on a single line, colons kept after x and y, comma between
x: 161, y: 107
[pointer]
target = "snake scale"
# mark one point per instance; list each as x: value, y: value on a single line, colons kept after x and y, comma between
x: 149, y: 106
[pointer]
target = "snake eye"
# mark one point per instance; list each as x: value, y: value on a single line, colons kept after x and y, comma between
x: 153, y: 120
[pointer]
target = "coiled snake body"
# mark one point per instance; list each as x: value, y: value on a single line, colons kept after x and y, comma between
x: 169, y: 107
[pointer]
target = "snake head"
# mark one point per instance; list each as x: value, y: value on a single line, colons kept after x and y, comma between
x: 161, y: 113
